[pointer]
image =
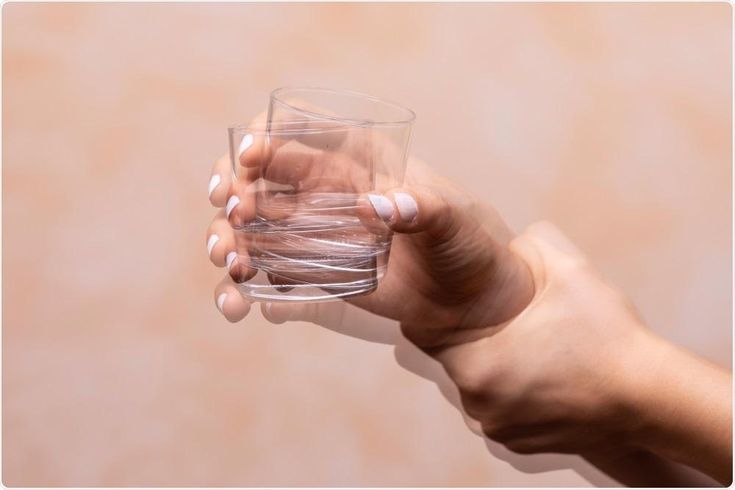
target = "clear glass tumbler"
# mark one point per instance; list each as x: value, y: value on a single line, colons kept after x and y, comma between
x: 302, y: 178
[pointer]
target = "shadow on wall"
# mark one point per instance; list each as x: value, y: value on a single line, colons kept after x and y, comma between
x: 638, y: 469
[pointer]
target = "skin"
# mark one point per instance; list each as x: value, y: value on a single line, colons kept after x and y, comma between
x: 546, y: 355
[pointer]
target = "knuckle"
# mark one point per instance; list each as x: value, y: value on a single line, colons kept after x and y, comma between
x: 477, y: 376
x: 473, y: 406
x: 495, y: 431
x: 489, y: 430
x: 499, y: 428
x: 473, y: 380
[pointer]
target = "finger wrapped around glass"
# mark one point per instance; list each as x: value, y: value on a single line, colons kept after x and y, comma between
x: 300, y: 207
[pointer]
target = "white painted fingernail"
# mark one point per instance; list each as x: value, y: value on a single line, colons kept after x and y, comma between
x: 221, y: 302
x: 211, y: 242
x: 246, y: 143
x: 231, y: 203
x: 382, y: 206
x: 407, y: 207
x: 214, y: 182
x: 230, y: 258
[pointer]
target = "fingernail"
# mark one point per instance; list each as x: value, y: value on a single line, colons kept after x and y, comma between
x: 382, y: 206
x: 211, y: 242
x: 221, y: 302
x: 246, y: 143
x: 231, y: 203
x: 230, y: 258
x: 214, y: 182
x: 407, y: 207
x: 268, y: 307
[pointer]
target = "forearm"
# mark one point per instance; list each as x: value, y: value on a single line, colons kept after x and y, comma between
x: 684, y: 409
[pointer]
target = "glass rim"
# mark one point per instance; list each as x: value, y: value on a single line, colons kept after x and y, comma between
x: 284, y: 128
x: 410, y: 115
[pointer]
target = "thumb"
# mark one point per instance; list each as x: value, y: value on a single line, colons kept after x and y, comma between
x: 407, y: 210
x: 461, y: 254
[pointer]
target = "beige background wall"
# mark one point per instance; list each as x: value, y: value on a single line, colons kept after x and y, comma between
x: 611, y: 120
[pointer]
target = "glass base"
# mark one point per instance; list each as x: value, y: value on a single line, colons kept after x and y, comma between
x: 259, y: 288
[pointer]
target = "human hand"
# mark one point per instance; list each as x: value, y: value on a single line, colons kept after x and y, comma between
x: 557, y: 377
x: 450, y: 270
x: 577, y: 372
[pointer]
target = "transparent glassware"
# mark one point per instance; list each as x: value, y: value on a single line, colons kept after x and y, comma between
x: 302, y: 177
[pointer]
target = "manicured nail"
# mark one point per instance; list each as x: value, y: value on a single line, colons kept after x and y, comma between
x: 407, y: 207
x: 211, y: 242
x: 246, y: 143
x: 231, y: 203
x: 230, y: 258
x: 221, y: 302
x: 214, y: 182
x: 382, y: 206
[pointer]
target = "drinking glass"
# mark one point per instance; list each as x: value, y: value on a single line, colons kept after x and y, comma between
x: 303, y: 176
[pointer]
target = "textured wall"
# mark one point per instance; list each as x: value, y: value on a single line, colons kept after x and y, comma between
x: 611, y: 120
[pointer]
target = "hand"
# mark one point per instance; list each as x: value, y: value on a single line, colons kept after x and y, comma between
x: 450, y: 271
x: 555, y: 378
x: 577, y: 372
